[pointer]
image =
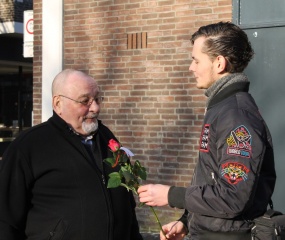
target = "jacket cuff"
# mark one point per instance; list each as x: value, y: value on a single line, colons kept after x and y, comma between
x: 184, y: 220
x: 176, y: 197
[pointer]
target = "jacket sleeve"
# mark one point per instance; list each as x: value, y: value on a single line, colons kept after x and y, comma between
x: 14, y: 177
x: 236, y: 147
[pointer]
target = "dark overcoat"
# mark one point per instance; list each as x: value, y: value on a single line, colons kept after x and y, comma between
x: 51, y: 188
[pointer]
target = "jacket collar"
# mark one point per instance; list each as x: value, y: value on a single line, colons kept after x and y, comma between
x: 63, y: 126
x: 229, y: 91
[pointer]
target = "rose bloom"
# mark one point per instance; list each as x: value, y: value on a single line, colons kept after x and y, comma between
x: 113, y: 145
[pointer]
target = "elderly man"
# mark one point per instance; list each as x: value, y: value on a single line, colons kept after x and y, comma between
x: 53, y: 178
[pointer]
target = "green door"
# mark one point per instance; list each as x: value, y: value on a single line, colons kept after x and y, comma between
x: 264, y: 22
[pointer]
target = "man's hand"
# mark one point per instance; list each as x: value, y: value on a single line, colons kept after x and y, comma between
x: 154, y: 194
x: 173, y: 231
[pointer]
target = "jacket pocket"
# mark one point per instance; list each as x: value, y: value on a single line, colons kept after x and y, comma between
x: 57, y: 233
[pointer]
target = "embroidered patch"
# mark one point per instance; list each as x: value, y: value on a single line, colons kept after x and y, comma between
x: 234, y: 172
x: 204, y: 139
x: 239, y: 142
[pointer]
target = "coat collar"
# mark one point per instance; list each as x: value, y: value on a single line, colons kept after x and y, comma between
x: 229, y: 91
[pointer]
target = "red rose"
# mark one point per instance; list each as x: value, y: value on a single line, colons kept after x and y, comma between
x: 114, y: 145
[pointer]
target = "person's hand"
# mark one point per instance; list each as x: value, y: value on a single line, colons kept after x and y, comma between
x: 154, y: 194
x: 173, y: 231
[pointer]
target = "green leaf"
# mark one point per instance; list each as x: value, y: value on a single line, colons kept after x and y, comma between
x: 128, y: 175
x: 134, y: 183
x: 125, y: 158
x: 110, y: 161
x: 139, y: 170
x: 114, y: 180
x: 129, y: 188
x: 125, y: 168
x: 142, y: 173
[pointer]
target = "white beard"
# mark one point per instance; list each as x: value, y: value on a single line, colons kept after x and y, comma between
x: 89, y: 128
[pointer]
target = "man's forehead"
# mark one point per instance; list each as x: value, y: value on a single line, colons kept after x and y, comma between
x: 199, y: 42
x: 198, y: 45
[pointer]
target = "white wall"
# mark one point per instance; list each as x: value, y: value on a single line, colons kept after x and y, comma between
x: 52, y: 50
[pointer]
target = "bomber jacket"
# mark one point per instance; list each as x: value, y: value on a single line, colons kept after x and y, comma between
x: 51, y: 188
x: 227, y: 188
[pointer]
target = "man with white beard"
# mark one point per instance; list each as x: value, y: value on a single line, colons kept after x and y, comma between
x: 53, y: 181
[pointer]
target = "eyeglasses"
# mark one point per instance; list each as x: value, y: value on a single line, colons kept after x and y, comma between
x: 87, y: 101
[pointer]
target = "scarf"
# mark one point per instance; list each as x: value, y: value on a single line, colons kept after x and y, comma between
x: 222, y: 83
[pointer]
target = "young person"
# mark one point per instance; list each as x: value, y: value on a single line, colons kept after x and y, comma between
x: 235, y: 175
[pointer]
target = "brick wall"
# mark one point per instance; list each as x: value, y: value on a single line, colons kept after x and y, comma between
x: 37, y: 63
x: 7, y: 11
x: 152, y: 104
x: 12, y: 11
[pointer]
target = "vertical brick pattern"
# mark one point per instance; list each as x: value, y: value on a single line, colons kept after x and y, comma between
x: 37, y: 63
x: 7, y: 11
x: 12, y: 11
x: 151, y: 100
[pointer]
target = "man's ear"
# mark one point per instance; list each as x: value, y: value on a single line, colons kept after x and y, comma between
x: 56, y: 104
x: 220, y: 64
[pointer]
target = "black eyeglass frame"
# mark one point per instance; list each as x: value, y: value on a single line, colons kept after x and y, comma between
x: 98, y: 100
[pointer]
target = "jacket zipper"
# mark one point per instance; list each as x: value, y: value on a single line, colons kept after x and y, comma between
x: 213, y: 177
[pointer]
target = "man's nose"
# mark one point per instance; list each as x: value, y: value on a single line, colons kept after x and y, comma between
x: 191, y: 67
x: 94, y: 106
